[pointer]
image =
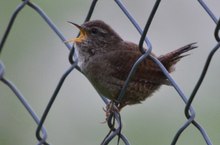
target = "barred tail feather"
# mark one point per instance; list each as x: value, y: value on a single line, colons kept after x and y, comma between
x: 170, y: 59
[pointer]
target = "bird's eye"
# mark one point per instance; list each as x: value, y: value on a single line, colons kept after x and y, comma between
x: 94, y: 31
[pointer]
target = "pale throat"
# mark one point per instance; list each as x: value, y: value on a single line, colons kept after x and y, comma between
x: 83, y: 55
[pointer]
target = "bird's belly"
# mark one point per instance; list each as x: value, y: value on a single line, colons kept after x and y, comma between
x: 111, y: 88
x: 109, y: 85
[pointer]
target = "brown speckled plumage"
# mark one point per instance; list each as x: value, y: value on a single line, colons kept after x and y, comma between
x: 106, y: 60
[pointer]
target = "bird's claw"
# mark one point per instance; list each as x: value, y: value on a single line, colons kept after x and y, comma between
x: 110, y: 109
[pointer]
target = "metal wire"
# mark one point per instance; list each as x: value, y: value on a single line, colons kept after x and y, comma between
x: 114, y: 121
x: 91, y: 9
x: 22, y: 100
x: 11, y: 22
x: 217, y: 37
x: 133, y: 21
x: 145, y: 52
x: 56, y: 91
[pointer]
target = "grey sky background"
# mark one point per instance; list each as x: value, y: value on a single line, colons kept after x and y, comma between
x: 35, y: 59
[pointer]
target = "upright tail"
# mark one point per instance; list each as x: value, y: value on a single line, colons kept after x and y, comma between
x: 170, y: 59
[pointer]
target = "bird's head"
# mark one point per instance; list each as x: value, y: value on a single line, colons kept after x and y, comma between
x: 96, y: 34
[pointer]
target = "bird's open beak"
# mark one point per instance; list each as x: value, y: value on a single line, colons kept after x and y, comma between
x: 82, y: 36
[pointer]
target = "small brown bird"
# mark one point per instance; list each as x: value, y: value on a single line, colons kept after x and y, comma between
x: 106, y: 60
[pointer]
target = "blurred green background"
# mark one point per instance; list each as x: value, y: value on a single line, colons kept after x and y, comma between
x: 35, y: 58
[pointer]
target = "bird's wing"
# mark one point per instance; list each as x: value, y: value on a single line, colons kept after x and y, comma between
x: 147, y: 71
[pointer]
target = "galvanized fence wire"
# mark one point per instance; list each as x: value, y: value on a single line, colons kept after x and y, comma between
x: 114, y: 121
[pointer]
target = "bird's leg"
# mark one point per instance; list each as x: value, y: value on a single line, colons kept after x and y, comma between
x: 111, y: 107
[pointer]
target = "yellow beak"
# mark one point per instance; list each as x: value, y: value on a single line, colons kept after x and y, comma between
x: 82, y: 36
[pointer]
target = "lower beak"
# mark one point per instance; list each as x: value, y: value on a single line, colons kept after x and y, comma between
x: 82, y: 35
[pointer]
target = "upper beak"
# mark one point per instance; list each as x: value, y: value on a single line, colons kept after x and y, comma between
x: 82, y: 35
x: 78, y: 26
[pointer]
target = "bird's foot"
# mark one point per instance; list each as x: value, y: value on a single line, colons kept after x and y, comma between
x: 110, y: 109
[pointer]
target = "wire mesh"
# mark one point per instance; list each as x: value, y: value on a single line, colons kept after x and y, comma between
x: 114, y: 122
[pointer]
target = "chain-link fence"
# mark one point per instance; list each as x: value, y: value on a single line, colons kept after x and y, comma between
x: 114, y: 122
